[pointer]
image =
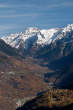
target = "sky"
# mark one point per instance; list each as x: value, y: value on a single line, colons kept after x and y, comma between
x: 17, y: 15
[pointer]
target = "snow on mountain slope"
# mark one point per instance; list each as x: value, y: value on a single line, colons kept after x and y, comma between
x: 48, y: 36
x: 33, y: 36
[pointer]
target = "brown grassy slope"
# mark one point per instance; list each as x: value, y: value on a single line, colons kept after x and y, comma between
x: 19, y: 79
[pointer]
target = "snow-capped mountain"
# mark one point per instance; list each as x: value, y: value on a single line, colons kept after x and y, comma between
x: 35, y: 36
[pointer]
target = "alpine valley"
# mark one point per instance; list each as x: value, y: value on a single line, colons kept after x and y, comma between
x: 33, y: 63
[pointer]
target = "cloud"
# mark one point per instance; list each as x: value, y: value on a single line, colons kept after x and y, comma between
x: 63, y: 4
x: 8, y: 5
x: 6, y: 27
x: 4, y: 6
x: 42, y: 6
x: 20, y: 15
x: 68, y: 4
x: 9, y: 28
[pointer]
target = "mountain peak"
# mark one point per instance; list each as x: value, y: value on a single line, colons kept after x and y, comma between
x: 68, y: 28
x: 31, y: 30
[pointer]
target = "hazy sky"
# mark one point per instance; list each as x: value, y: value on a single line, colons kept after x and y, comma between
x: 17, y: 15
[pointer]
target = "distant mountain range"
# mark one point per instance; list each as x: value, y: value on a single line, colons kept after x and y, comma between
x: 35, y: 36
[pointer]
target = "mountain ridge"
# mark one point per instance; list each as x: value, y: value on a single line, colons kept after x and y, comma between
x: 35, y: 36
